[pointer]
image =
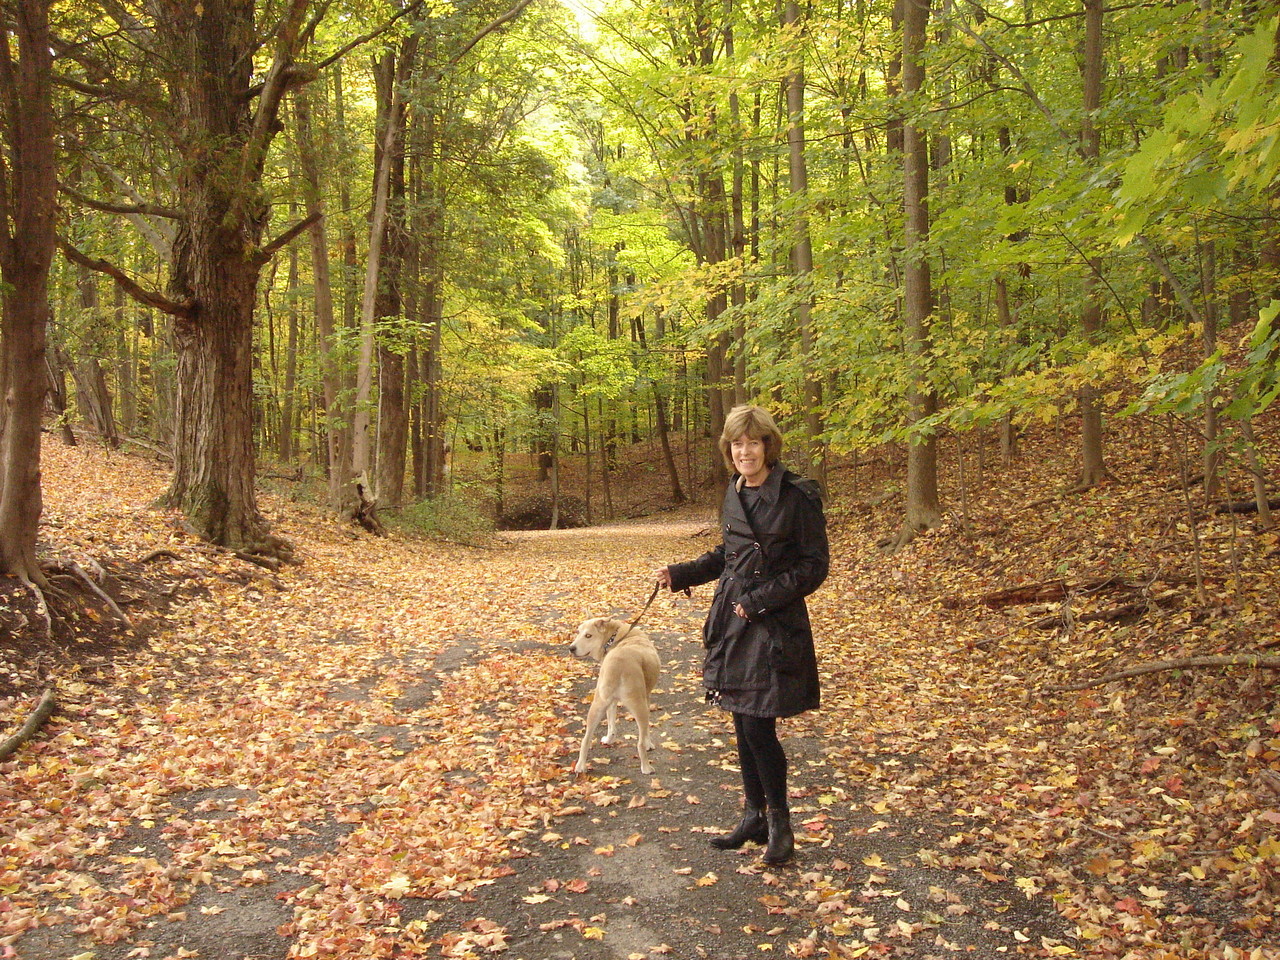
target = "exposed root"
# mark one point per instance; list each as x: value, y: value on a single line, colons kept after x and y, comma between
x: 42, y: 605
x: 74, y: 569
x: 162, y: 553
x: 43, y: 710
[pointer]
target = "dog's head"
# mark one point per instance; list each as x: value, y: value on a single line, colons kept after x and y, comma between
x: 592, y: 636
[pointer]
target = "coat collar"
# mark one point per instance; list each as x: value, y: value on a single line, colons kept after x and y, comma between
x: 772, y: 486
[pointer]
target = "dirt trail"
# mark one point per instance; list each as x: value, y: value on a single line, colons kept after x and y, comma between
x: 611, y: 865
x: 654, y: 886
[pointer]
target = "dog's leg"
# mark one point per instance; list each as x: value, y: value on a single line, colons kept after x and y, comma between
x: 593, y: 721
x: 643, y: 746
x: 611, y: 733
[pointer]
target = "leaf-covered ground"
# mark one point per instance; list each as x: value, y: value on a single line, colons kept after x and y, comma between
x: 369, y: 754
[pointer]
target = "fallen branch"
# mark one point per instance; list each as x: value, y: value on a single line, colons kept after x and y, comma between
x: 1257, y: 661
x: 1125, y: 611
x: 1244, y: 506
x: 44, y: 709
x: 1050, y: 590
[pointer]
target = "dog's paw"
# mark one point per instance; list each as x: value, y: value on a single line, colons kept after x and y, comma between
x: 579, y: 767
x: 607, y: 739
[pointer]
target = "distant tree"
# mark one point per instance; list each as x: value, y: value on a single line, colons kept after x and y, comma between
x: 1093, y: 468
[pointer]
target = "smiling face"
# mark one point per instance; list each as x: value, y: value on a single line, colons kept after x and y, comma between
x: 749, y: 459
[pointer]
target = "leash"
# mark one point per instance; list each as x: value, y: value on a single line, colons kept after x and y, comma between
x: 636, y: 619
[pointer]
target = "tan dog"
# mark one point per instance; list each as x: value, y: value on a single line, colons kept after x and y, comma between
x: 628, y: 673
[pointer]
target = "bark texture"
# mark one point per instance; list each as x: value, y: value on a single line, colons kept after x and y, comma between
x: 223, y: 132
x: 28, y: 188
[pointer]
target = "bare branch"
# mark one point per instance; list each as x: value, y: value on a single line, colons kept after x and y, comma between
x: 372, y: 35
x: 269, y: 249
x: 502, y: 21
x: 139, y: 209
x: 185, y: 309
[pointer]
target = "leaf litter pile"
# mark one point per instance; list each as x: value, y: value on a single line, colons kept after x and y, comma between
x: 368, y: 754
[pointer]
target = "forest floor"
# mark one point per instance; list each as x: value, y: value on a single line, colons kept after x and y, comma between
x: 368, y: 754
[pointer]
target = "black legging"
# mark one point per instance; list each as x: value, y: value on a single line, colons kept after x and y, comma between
x: 763, y: 762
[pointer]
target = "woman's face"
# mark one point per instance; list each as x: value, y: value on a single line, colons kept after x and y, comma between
x: 749, y: 460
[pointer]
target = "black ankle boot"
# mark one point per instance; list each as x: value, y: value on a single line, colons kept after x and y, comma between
x: 754, y: 826
x: 782, y: 842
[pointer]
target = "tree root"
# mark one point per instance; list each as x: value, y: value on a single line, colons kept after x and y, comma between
x: 1257, y: 661
x: 42, y: 605
x: 43, y: 710
x: 74, y: 569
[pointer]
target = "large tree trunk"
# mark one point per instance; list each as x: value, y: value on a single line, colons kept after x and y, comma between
x: 922, y: 509
x: 28, y: 187
x: 218, y: 256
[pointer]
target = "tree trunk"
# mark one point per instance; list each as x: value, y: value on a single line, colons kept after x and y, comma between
x: 289, y: 408
x: 660, y: 405
x: 433, y: 202
x: 128, y: 375
x: 393, y: 419
x: 802, y: 247
x: 1093, y: 469
x: 337, y: 423
x: 1008, y: 430
x: 28, y: 191
x: 737, y: 225
x: 1211, y: 455
x: 56, y: 396
x: 922, y: 509
x: 223, y: 134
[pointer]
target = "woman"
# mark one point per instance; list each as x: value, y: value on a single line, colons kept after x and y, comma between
x: 760, y: 663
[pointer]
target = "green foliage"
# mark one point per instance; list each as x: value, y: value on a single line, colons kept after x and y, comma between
x: 458, y: 516
x: 1251, y: 387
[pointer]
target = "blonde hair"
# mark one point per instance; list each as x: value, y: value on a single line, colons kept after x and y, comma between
x: 755, y: 422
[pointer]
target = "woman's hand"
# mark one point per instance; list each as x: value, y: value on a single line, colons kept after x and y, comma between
x: 663, y: 577
x: 740, y: 611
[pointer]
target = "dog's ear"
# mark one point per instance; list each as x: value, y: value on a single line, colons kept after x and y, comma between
x: 599, y: 623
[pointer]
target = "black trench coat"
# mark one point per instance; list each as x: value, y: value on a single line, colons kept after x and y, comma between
x: 764, y: 666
